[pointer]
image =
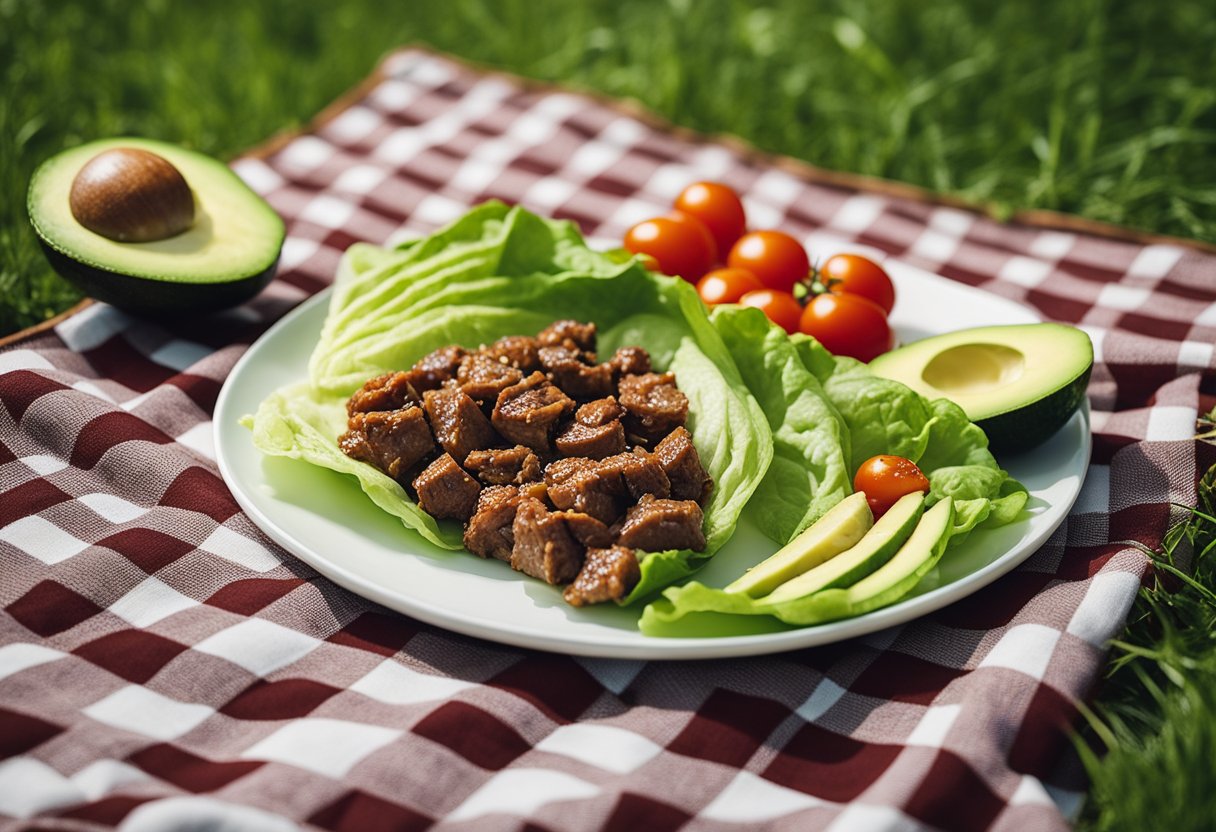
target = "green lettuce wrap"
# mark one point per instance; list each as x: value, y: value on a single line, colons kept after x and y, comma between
x: 871, y: 415
x: 780, y: 424
x: 810, y: 471
x: 503, y: 271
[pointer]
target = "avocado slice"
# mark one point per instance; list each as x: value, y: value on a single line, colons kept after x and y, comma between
x: 1020, y: 383
x: 226, y: 255
x: 880, y: 543
x: 839, y: 529
x: 894, y: 579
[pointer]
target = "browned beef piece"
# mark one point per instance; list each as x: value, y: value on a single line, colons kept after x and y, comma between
x: 527, y: 412
x: 574, y: 375
x: 682, y: 464
x: 459, y: 426
x: 431, y: 371
x: 489, y: 532
x: 639, y: 472
x: 577, y: 439
x: 607, y: 575
x: 483, y: 378
x: 655, y: 525
x: 518, y: 351
x: 571, y: 334
x: 653, y: 405
x: 630, y: 361
x: 599, y: 412
x: 391, y: 391
x: 544, y: 547
x: 587, y: 530
x: 392, y: 440
x: 503, y: 466
x: 445, y: 490
x: 583, y: 485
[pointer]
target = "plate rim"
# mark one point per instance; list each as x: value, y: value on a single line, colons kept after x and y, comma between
x: 610, y: 646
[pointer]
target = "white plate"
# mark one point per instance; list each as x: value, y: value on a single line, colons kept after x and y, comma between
x: 324, y: 519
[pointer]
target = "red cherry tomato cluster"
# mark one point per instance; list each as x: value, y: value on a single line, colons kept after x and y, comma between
x: 886, y: 478
x: 843, y: 302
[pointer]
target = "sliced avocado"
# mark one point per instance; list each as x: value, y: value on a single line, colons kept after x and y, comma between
x: 227, y: 254
x: 1019, y: 383
x: 894, y: 579
x: 880, y: 543
x: 837, y: 530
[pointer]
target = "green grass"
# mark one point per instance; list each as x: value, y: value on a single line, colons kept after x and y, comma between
x: 1156, y: 716
x: 1102, y: 109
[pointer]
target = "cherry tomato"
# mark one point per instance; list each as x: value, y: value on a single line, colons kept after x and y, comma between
x: 781, y: 307
x: 678, y: 246
x: 775, y: 257
x: 847, y: 325
x: 856, y: 275
x: 727, y: 285
x: 886, y: 478
x: 717, y: 206
x: 701, y: 230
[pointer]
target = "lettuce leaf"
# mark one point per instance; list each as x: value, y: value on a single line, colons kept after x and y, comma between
x: 810, y: 469
x: 501, y: 271
x: 779, y: 422
x: 830, y: 414
x: 879, y: 416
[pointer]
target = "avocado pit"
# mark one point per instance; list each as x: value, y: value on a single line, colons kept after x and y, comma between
x: 131, y: 195
x: 152, y: 228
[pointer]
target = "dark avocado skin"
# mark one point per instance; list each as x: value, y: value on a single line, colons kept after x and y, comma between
x: 158, y: 299
x: 1027, y: 427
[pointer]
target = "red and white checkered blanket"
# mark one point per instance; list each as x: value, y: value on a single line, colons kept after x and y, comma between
x: 162, y: 660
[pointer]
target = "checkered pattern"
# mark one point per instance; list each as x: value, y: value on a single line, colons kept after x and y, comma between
x: 161, y: 659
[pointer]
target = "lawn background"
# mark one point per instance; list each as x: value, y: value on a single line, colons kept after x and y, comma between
x: 1103, y: 109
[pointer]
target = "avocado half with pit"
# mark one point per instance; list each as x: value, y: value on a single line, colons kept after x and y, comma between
x: 1020, y: 383
x: 153, y: 228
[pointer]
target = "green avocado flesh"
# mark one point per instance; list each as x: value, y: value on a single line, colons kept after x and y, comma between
x: 227, y: 255
x: 895, y: 578
x: 878, y: 546
x: 841, y: 528
x: 1020, y: 383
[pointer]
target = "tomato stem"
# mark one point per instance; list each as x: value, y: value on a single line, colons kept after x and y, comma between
x: 814, y: 285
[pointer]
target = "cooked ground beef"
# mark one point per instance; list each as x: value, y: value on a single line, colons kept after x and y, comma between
x: 584, y: 485
x: 680, y: 462
x: 504, y: 466
x: 577, y: 439
x: 571, y: 334
x: 655, y: 524
x: 560, y: 491
x: 482, y: 378
x: 392, y: 440
x: 445, y: 490
x: 457, y: 422
x: 431, y: 371
x: 607, y: 575
x: 518, y: 351
x: 630, y: 361
x: 527, y: 412
x: 639, y: 472
x: 579, y: 378
x: 653, y: 405
x: 489, y: 533
x: 587, y: 530
x: 599, y: 412
x: 544, y: 547
x: 391, y: 391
